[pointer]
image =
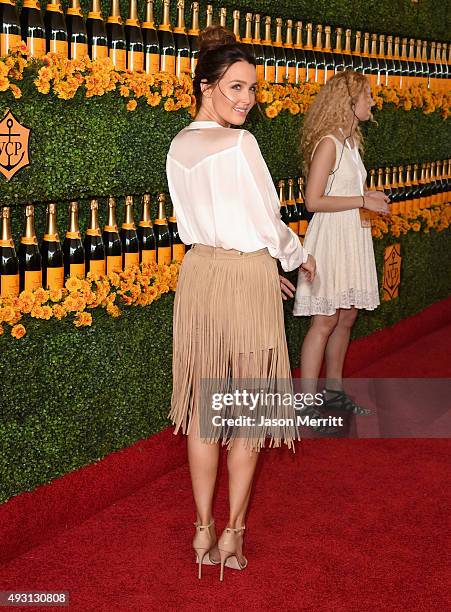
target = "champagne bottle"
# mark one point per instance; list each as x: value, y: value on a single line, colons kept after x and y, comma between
x: 193, y: 35
x: 10, y: 34
x: 55, y: 28
x: 405, y: 69
x: 394, y: 192
x: 30, y: 261
x: 423, y: 189
x: 279, y: 52
x: 77, y: 36
x: 162, y: 237
x: 380, y: 179
x: 236, y: 25
x: 383, y: 70
x: 96, y: 31
x: 150, y: 41
x: 421, y: 76
x: 328, y: 56
x: 73, y: 251
x: 397, y: 75
x: 268, y: 50
x: 320, y: 64
x: 391, y: 66
x: 52, y: 253
x: 146, y: 236
x: 402, y: 191
x: 387, y: 184
x: 32, y: 27
x: 310, y: 62
x: 117, y: 44
x: 222, y: 17
x: 284, y: 212
x: 182, y: 48
x: 374, y: 59
x: 93, y: 245
x: 433, y: 184
x: 112, y: 240
x: 258, y: 50
x: 303, y: 214
x: 134, y: 39
x: 166, y: 40
x: 247, y: 40
x: 408, y: 190
x: 438, y: 66
x: 300, y: 55
x: 9, y: 264
x: 416, y: 188
x: 290, y: 54
x: 357, y: 61
x: 424, y: 59
x: 292, y: 208
x: 366, y: 62
x: 347, y: 54
x: 177, y: 246
x: 446, y: 67
x: 439, y: 181
x: 129, y: 237
x: 428, y: 185
x: 338, y: 51
x: 433, y: 75
x: 412, y: 64
x: 209, y: 16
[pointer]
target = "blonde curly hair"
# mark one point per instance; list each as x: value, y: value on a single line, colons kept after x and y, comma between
x: 331, y: 110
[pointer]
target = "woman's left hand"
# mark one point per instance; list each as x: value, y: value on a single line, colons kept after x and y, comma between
x: 288, y: 289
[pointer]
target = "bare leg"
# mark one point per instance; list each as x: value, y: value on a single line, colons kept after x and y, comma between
x: 336, y: 347
x: 203, y: 461
x: 313, y: 347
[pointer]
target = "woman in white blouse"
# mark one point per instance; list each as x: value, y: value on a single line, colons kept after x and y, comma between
x: 228, y: 317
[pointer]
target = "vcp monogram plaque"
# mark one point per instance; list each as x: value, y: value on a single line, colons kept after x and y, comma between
x: 14, y: 139
x: 392, y: 271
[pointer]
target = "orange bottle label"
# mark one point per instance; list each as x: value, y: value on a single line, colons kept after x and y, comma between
x: 164, y: 255
x: 77, y: 269
x: 260, y: 72
x: 78, y: 50
x: 9, y: 284
x: 152, y: 63
x: 131, y: 259
x: 33, y: 280
x: 320, y: 76
x: 303, y: 225
x: 294, y: 226
x: 135, y: 60
x: 36, y: 46
x: 270, y: 74
x: 330, y: 74
x: 178, y: 252
x: 280, y: 73
x: 99, y: 52
x: 55, y: 278
x: 59, y: 46
x: 114, y: 263
x: 302, y: 75
x: 7, y: 41
x: 183, y: 65
x: 97, y: 266
x: 119, y: 58
x: 167, y: 63
x: 148, y: 256
x: 292, y: 74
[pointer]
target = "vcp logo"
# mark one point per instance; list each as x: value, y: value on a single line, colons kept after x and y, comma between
x: 14, y: 139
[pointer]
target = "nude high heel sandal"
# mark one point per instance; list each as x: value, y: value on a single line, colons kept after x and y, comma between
x: 202, y: 544
x: 228, y: 548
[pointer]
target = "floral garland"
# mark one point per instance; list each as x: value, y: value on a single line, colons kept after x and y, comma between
x: 436, y: 218
x: 65, y: 77
x: 134, y: 286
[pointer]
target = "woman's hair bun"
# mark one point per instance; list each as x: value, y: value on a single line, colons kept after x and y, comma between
x: 215, y: 36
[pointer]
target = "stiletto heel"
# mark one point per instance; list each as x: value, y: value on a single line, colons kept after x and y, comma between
x: 228, y: 549
x: 203, y: 544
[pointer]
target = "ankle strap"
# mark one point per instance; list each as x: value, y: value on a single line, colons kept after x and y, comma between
x: 235, y: 529
x: 197, y: 524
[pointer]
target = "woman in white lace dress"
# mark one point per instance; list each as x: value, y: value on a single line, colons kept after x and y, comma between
x: 339, y: 235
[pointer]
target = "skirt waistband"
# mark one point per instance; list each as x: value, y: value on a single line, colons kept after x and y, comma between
x: 220, y: 253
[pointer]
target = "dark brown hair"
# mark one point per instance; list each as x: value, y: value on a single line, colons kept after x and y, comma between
x: 218, y: 50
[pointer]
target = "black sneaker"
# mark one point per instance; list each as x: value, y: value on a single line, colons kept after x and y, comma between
x: 339, y: 400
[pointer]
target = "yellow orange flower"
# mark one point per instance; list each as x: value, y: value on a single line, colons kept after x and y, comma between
x: 131, y: 105
x: 82, y: 319
x: 73, y: 284
x: 18, y: 331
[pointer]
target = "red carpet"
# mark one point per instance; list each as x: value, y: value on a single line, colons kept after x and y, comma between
x: 346, y: 525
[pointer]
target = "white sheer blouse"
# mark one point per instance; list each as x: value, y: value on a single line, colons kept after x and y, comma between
x: 224, y: 196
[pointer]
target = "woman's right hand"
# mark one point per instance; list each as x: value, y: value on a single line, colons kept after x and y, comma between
x: 309, y: 268
x: 377, y: 201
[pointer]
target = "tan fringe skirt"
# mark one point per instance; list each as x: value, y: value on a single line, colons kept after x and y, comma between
x: 229, y: 338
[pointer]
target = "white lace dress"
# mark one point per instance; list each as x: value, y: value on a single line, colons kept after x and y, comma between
x: 345, y: 267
